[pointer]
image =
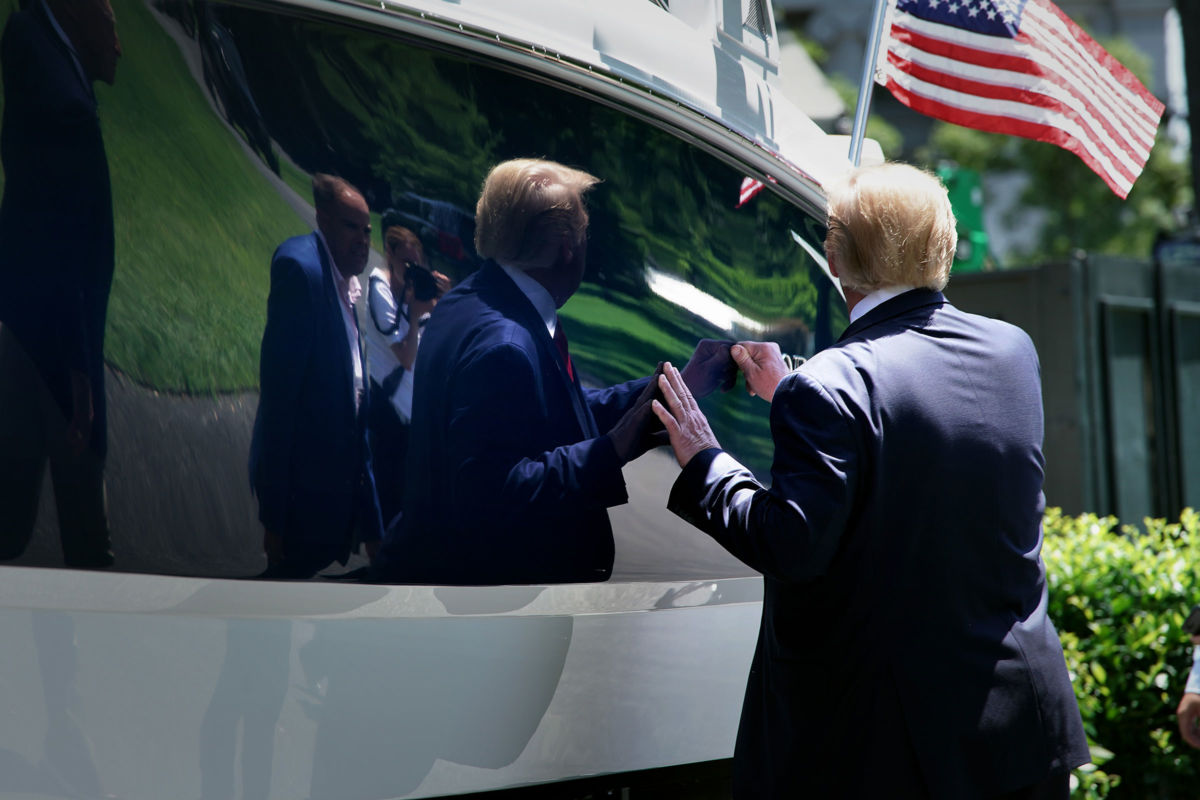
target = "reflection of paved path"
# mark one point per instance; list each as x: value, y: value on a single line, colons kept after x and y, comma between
x: 653, y: 543
x: 179, y: 498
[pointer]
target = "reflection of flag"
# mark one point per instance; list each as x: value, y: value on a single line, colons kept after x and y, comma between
x: 750, y: 187
x: 1021, y: 67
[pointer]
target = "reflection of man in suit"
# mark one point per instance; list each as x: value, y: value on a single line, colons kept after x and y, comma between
x: 905, y: 649
x: 56, y: 267
x: 512, y: 462
x: 309, y: 462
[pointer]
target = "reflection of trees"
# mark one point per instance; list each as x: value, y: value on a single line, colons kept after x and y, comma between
x: 387, y: 117
x: 392, y: 119
x: 401, y: 122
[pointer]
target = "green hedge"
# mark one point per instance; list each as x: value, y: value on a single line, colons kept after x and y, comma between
x: 1118, y: 595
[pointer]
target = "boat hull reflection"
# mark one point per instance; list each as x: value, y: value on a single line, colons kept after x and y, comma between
x: 213, y: 688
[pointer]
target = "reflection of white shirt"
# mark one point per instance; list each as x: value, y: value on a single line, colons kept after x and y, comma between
x: 537, y: 294
x: 387, y: 324
x: 877, y: 298
x: 348, y: 291
x: 1193, y: 681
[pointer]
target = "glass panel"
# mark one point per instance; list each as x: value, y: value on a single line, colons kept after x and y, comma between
x: 1186, y: 331
x: 216, y: 122
x: 1130, y: 409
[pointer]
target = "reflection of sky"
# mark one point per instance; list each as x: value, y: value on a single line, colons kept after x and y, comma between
x: 716, y: 313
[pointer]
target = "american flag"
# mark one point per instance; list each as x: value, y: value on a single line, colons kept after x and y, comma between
x: 1021, y: 67
x: 750, y: 187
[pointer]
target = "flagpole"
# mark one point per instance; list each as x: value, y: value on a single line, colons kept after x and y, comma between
x: 867, y: 84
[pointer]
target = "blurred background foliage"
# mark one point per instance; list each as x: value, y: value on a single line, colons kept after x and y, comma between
x: 1119, y: 595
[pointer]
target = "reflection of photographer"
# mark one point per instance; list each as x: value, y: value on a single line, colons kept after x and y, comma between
x: 403, y: 292
x: 1189, y: 705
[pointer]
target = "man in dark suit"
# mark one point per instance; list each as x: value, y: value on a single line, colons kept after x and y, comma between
x: 512, y: 462
x: 904, y: 649
x: 56, y: 269
x: 309, y: 461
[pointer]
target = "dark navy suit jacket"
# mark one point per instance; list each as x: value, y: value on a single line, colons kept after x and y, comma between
x: 905, y: 649
x: 56, y: 222
x: 508, y: 474
x: 309, y: 461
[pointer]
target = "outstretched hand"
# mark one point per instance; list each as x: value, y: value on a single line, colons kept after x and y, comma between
x: 710, y: 368
x: 635, y: 431
x: 762, y: 364
x: 1189, y: 718
x: 687, y: 427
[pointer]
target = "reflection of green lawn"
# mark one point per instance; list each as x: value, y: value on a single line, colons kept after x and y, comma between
x: 299, y: 180
x: 196, y: 224
x: 615, y: 337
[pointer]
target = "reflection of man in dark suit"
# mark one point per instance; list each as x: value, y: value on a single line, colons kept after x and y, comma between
x: 309, y: 462
x: 512, y: 462
x: 56, y: 267
x: 905, y: 649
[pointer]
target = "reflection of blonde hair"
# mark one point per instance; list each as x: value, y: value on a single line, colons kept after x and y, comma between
x: 528, y: 207
x: 398, y: 234
x: 891, y: 225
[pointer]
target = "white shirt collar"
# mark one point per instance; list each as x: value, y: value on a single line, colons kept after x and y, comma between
x: 349, y: 290
x: 543, y: 303
x: 876, y: 299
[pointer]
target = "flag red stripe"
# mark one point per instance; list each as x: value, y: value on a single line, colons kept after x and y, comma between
x: 1005, y: 125
x: 1138, y: 127
x: 1096, y: 59
x: 1094, y: 122
x: 1048, y: 32
x: 1051, y: 82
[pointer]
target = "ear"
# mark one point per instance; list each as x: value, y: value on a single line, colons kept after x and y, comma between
x: 833, y: 270
x: 566, y: 252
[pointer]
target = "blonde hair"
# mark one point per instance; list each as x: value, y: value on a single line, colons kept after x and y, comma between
x: 527, y: 208
x: 891, y: 225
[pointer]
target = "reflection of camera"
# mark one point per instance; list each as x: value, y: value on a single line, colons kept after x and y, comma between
x: 423, y: 283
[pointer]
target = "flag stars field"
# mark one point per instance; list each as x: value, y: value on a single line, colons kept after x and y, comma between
x: 1023, y: 68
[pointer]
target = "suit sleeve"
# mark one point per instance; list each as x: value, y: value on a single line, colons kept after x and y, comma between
x: 286, y: 343
x: 791, y: 531
x: 490, y: 442
x: 609, y: 405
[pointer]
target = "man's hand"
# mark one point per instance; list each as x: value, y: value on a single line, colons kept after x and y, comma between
x: 442, y: 282
x: 633, y: 434
x: 1189, y: 719
x: 687, y: 427
x: 762, y: 364
x: 710, y: 368
x: 79, y: 428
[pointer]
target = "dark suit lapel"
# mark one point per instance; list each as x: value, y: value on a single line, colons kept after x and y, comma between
x: 524, y: 314
x: 333, y: 308
x: 42, y: 14
x: 890, y: 309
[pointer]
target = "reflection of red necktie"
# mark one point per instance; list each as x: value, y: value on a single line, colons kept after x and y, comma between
x: 560, y: 339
